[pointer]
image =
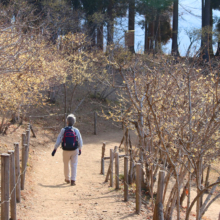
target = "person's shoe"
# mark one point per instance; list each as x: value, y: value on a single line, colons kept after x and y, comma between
x: 67, y: 181
x: 73, y: 183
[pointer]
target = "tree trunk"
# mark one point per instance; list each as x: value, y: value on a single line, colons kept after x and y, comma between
x: 211, y: 53
x: 175, y: 28
x: 131, y: 20
x: 75, y: 5
x: 151, y: 35
x: 157, y: 27
x: 146, y: 43
x: 218, y: 48
x: 92, y: 33
x: 203, y: 16
x: 206, y: 29
x: 100, y: 37
x: 110, y: 24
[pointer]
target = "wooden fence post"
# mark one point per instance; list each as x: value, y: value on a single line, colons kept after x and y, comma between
x: 23, y: 139
x: 131, y: 167
x: 12, y: 185
x: 28, y: 137
x: 95, y: 123
x: 138, y: 188
x: 126, y: 179
x: 17, y: 173
x: 111, y: 167
x: 158, y: 210
x: 5, y: 186
x: 23, y: 142
x: 24, y: 165
x: 103, y: 160
x: 32, y: 130
x: 116, y: 171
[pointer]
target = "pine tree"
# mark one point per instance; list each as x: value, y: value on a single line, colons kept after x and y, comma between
x: 157, y: 22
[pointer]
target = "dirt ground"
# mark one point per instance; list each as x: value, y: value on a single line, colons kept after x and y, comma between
x: 47, y: 196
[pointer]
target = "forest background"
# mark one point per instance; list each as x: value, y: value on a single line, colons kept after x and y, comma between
x: 53, y: 59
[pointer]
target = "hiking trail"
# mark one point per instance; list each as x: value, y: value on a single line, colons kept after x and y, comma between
x: 47, y: 196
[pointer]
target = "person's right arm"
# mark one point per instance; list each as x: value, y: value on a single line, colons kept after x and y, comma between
x: 58, y: 142
x: 59, y: 139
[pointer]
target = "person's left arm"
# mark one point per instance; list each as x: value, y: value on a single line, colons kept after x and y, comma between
x: 80, y: 141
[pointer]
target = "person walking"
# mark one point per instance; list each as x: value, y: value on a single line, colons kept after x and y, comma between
x: 72, y: 143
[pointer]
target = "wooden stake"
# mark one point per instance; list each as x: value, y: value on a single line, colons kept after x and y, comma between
x: 158, y: 210
x: 103, y: 160
x: 32, y: 130
x: 28, y: 137
x: 103, y: 166
x: 126, y: 179
x: 23, y: 142
x: 108, y: 173
x: 95, y: 123
x: 116, y: 171
x: 111, y: 167
x: 131, y: 167
x: 12, y: 185
x: 23, y: 139
x: 24, y: 165
x: 17, y: 173
x: 5, y: 186
x: 138, y: 188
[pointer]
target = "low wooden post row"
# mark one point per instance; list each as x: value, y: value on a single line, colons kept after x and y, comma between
x: 11, y: 183
x: 158, y: 211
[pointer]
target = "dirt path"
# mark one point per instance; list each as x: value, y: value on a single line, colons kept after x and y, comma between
x: 48, y: 197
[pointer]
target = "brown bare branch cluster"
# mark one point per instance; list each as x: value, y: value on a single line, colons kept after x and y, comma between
x: 174, y: 108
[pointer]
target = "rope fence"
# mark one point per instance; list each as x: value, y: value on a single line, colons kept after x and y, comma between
x: 13, y: 177
x: 135, y: 174
x: 111, y: 175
